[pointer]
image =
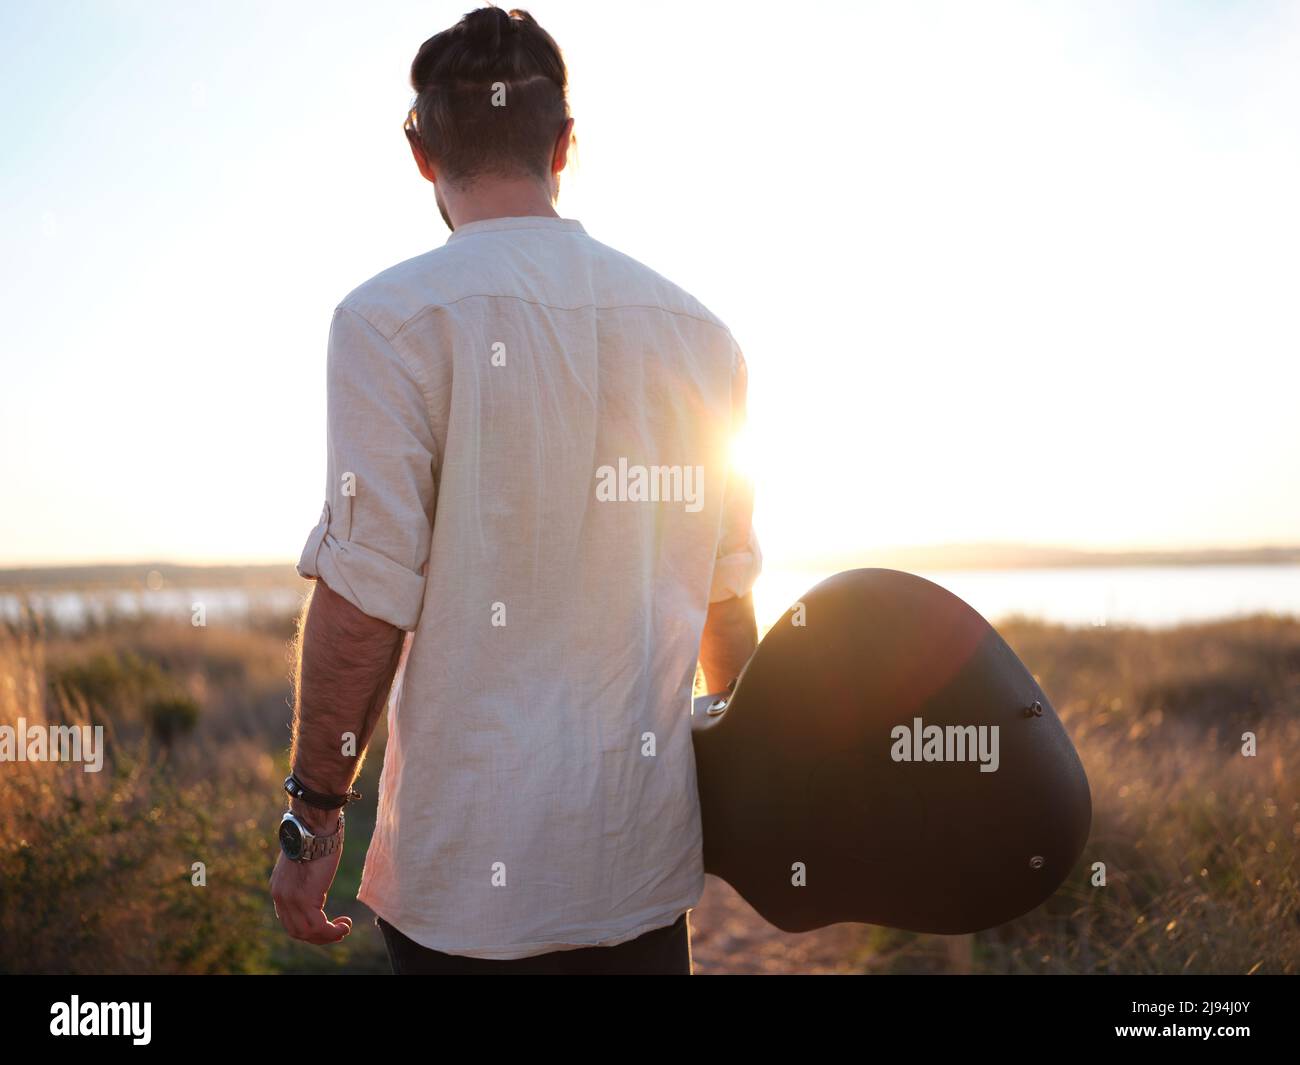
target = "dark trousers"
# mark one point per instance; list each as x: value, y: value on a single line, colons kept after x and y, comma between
x: 662, y: 951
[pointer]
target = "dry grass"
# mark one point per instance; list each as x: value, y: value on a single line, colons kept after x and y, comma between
x: 1199, y: 842
x: 96, y: 868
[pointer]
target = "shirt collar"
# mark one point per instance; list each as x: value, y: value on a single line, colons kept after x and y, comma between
x: 492, y: 225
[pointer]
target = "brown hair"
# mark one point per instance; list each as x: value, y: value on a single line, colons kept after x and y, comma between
x: 491, y: 96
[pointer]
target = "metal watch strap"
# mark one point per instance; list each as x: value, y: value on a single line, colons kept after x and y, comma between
x: 320, y: 846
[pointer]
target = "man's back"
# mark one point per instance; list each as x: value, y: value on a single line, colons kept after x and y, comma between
x: 555, y: 423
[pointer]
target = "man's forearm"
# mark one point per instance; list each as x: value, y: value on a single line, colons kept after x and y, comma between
x: 345, y: 666
x: 729, y: 639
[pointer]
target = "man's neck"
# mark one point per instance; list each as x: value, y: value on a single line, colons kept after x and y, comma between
x: 500, y: 199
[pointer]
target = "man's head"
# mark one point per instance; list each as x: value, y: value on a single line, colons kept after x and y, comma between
x: 490, y: 124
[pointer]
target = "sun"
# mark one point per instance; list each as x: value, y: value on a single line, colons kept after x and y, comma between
x: 742, y: 453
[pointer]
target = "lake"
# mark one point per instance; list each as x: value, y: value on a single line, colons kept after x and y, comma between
x: 1156, y: 596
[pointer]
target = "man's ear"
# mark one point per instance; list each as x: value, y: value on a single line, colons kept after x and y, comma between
x: 561, y: 154
x: 421, y: 160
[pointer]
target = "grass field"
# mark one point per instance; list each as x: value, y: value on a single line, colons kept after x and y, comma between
x: 96, y: 870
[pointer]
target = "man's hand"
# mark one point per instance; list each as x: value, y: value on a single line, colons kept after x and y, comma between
x: 298, y: 890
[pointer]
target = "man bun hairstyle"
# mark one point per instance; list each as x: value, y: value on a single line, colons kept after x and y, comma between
x: 491, y: 96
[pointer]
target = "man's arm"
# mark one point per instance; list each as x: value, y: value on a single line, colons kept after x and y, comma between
x: 343, y: 674
x: 367, y: 556
x: 344, y: 670
x: 729, y: 640
x: 730, y: 633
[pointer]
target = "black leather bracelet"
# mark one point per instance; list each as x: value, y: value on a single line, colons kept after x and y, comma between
x: 298, y: 790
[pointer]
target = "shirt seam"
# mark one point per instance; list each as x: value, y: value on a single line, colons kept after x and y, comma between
x: 549, y: 306
x: 407, y: 365
x: 410, y: 367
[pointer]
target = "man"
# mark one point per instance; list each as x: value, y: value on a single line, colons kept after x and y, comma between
x: 528, y: 474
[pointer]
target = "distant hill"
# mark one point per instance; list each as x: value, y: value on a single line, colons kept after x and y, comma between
x: 934, y: 557
x: 151, y: 575
x: 1025, y: 556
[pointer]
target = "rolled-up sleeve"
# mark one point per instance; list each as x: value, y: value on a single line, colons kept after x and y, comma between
x: 739, y: 560
x: 372, y: 542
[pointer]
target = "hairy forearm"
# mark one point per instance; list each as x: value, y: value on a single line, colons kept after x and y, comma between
x: 344, y: 670
x: 729, y: 639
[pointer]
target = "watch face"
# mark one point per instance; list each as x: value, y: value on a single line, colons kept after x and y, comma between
x: 290, y: 839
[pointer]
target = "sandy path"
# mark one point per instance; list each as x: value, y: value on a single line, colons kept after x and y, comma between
x: 727, y: 936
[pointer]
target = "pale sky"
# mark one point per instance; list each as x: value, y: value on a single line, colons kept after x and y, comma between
x: 1002, y: 271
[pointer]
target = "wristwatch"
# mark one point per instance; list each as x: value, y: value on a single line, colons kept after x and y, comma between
x: 300, y: 844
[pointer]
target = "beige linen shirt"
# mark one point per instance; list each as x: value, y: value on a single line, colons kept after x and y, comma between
x: 528, y: 471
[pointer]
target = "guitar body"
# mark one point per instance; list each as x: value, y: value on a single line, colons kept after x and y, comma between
x: 886, y: 758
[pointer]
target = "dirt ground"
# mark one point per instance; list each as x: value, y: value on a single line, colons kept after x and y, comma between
x: 727, y: 936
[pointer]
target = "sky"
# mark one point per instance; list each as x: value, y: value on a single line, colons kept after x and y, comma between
x: 1018, y: 272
